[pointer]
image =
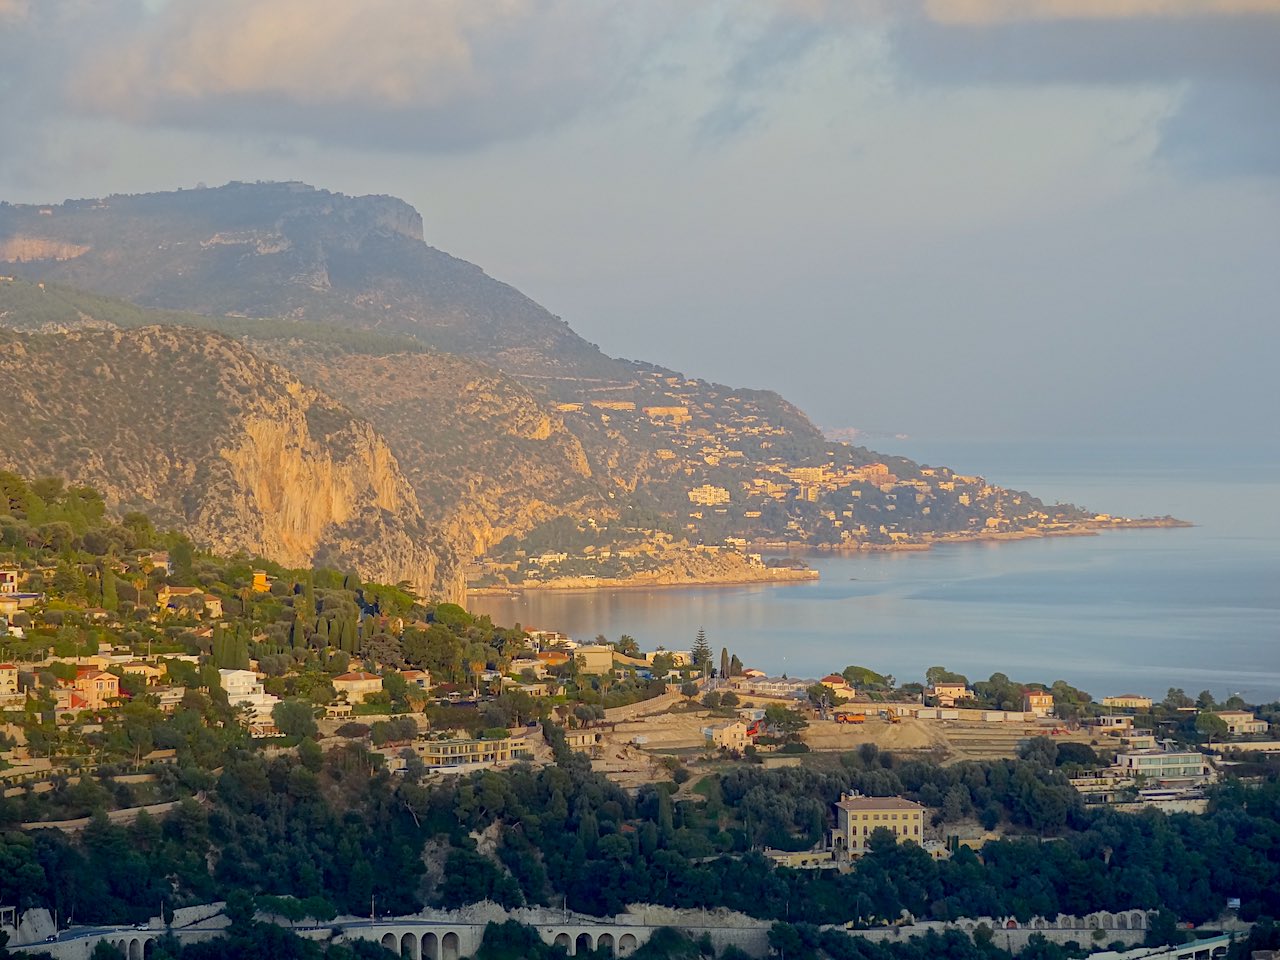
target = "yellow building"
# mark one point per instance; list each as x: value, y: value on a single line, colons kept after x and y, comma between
x: 596, y: 658
x: 709, y: 496
x: 261, y: 582
x: 8, y: 679
x: 1128, y: 701
x: 1241, y: 722
x: 858, y: 817
x: 1039, y: 702
x: 357, y: 685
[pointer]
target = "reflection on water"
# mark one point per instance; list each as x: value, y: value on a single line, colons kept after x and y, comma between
x: 1137, y: 611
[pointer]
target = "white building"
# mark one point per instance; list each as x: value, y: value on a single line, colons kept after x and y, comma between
x: 245, y: 689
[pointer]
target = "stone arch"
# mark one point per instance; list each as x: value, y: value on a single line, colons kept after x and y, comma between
x: 583, y: 944
x: 1039, y: 923
x: 450, y: 947
x: 1011, y: 925
x: 605, y: 942
x: 391, y: 942
x: 1138, y: 921
x: 1108, y: 922
x: 135, y: 949
x: 627, y: 945
x: 430, y: 947
x: 1122, y: 921
x: 409, y: 947
x: 1093, y: 921
x: 563, y: 940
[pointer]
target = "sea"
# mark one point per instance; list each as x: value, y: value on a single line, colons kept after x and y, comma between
x: 1127, y: 611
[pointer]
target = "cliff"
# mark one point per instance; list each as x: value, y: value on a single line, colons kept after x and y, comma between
x: 486, y: 457
x: 203, y: 434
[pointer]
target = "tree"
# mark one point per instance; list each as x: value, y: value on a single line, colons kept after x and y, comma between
x: 688, y: 689
x: 1210, y: 725
x: 735, y: 666
x: 701, y: 652
x: 627, y: 646
x: 724, y: 662
x: 787, y: 721
x: 937, y: 675
x: 295, y: 718
x: 1177, y: 697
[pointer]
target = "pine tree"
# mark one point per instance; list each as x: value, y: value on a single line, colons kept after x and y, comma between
x: 701, y: 652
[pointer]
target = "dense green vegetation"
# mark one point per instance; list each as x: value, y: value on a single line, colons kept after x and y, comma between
x: 334, y: 825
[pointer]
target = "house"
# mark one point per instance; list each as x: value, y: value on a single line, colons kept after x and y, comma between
x: 858, y: 817
x: 1242, y: 722
x: 212, y: 606
x: 8, y: 679
x: 167, y: 597
x: 730, y: 735
x: 1116, y: 726
x: 1128, y: 701
x: 357, y: 685
x: 1168, y: 768
x: 159, y: 560
x: 97, y: 687
x: 168, y: 699
x: 596, y: 658
x: 839, y: 685
x: 417, y: 678
x: 946, y: 694
x: 457, y: 755
x: 1038, y: 702
x: 245, y: 689
x: 8, y: 580
x: 149, y: 672
x: 261, y: 582
x: 67, y: 701
x: 536, y: 665
x: 584, y: 741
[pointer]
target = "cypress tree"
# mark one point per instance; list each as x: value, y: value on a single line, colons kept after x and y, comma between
x: 110, y: 599
x: 724, y: 662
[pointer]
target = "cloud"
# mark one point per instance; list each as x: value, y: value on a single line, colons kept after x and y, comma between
x: 387, y: 73
x: 998, y: 11
x: 1226, y: 67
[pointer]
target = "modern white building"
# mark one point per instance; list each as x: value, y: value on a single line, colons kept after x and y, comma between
x: 245, y: 689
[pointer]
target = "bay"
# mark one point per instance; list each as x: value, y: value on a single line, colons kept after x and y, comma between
x: 1127, y: 611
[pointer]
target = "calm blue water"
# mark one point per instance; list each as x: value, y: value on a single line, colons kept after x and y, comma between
x: 1132, y: 611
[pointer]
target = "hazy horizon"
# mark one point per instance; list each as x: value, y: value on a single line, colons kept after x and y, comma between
x: 944, y: 218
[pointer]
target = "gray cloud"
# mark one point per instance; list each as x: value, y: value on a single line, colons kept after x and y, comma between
x: 398, y: 74
x: 1224, y: 124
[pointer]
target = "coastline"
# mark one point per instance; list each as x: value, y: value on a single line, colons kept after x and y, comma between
x: 775, y: 575
x: 656, y: 579
x: 1087, y: 528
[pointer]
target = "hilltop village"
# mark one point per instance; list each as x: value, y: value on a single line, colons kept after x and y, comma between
x: 722, y: 475
x: 189, y: 709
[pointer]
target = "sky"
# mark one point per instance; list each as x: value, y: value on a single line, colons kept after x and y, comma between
x: 946, y: 218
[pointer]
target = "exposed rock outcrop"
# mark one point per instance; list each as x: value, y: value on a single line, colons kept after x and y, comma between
x: 200, y: 432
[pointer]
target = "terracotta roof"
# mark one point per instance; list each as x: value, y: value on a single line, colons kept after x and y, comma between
x: 7, y: 666
x: 877, y: 803
x: 358, y: 675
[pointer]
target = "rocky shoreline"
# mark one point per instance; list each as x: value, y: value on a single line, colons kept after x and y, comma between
x: 1087, y: 528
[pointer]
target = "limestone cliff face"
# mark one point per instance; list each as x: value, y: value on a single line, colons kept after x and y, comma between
x: 201, y: 433
x: 486, y: 458
x: 25, y: 249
